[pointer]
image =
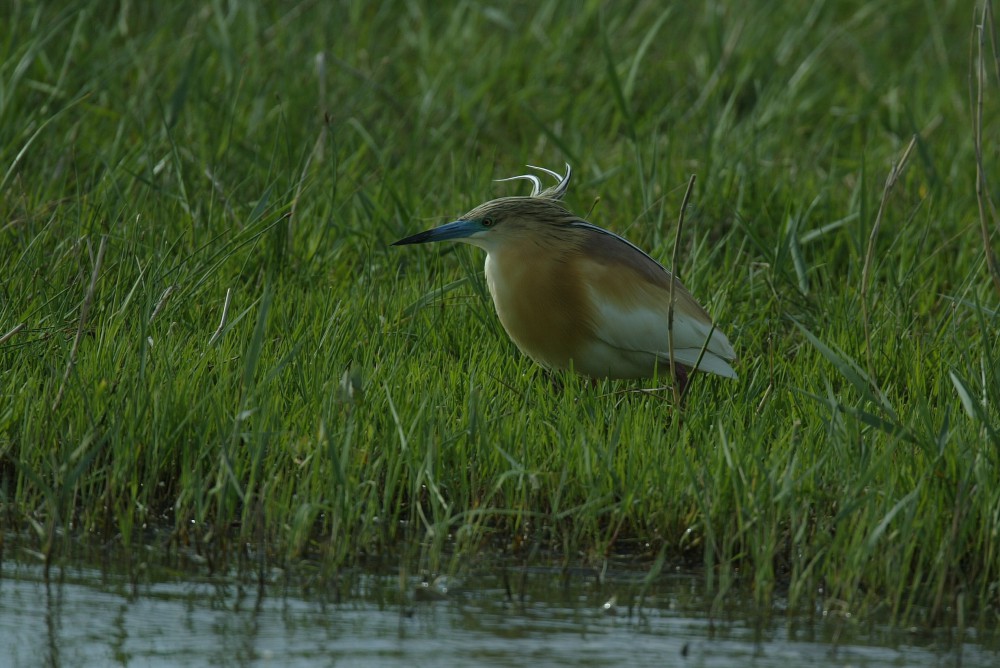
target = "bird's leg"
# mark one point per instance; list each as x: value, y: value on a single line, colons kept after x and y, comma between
x: 681, y: 376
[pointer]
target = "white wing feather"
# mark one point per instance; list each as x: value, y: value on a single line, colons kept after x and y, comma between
x: 643, y: 331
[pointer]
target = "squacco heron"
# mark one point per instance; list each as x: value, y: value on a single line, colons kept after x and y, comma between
x: 574, y: 296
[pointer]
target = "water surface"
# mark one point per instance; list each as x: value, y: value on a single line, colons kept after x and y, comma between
x: 87, y: 617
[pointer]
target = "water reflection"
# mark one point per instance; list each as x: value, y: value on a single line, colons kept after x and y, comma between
x: 88, y: 617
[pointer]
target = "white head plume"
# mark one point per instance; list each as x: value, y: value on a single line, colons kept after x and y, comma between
x: 555, y: 192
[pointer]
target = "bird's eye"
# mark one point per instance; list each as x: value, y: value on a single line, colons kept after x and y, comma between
x: 488, y: 222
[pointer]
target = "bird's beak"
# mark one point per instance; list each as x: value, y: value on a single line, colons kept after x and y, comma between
x: 457, y: 230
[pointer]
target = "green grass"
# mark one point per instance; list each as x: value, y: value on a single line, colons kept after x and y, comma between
x: 358, y: 399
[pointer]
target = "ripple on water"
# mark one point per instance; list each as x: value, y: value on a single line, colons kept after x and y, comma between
x: 88, y: 618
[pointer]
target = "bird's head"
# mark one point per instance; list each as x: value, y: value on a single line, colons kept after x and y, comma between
x: 500, y: 221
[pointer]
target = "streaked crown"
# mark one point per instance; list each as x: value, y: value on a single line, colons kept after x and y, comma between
x: 542, y: 206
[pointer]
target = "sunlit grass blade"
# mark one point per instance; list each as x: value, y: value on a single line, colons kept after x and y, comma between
x: 851, y: 372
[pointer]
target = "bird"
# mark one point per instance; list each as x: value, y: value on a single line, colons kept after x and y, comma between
x: 576, y: 297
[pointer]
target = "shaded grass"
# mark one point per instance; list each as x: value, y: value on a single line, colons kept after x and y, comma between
x: 358, y: 400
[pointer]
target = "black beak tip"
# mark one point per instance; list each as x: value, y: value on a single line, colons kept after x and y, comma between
x: 418, y: 238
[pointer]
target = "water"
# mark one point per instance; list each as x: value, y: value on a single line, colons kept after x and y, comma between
x: 86, y: 617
